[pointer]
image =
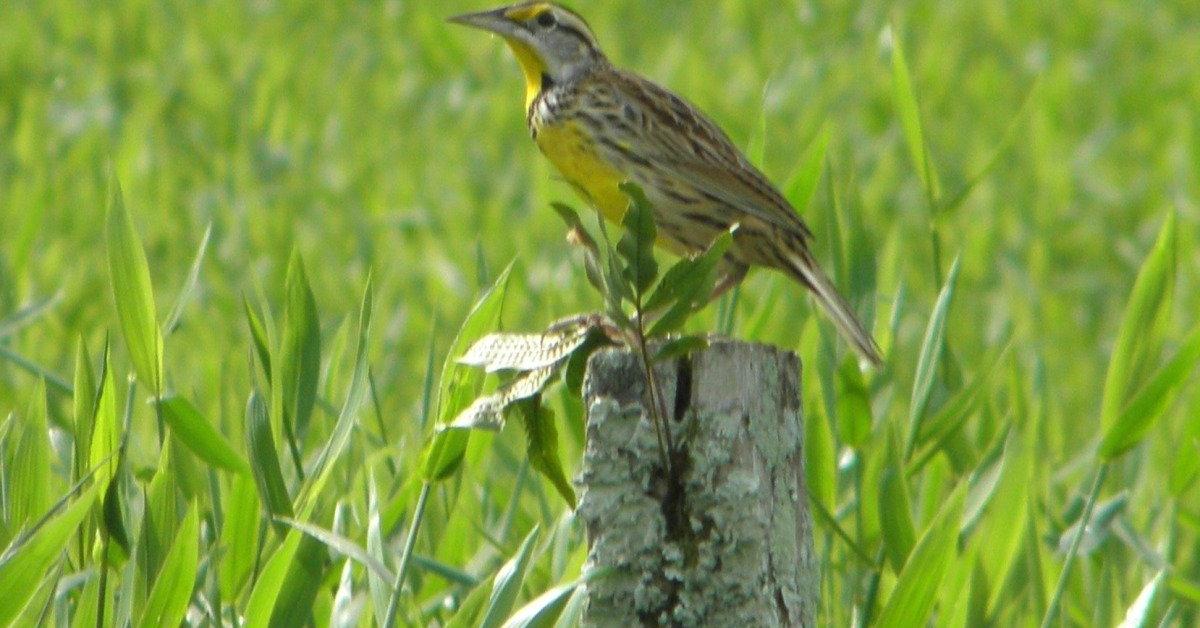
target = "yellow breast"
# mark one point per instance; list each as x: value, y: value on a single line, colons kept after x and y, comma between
x: 568, y: 147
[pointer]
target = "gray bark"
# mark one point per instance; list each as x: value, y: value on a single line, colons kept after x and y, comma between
x: 728, y: 541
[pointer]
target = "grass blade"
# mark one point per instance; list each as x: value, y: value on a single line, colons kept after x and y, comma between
x: 1139, y: 415
x: 1138, y: 614
x: 27, y: 468
x: 189, y: 285
x: 932, y: 349
x: 1081, y: 529
x: 27, y: 562
x: 508, y: 584
x: 1153, y: 282
x: 910, y: 118
x: 343, y: 546
x: 272, y: 491
x: 300, y: 349
x: 106, y: 432
x: 168, y: 600
x: 356, y: 397
x: 239, y: 533
x: 895, y: 512
x: 200, y: 436
x: 133, y: 292
x: 911, y: 602
x: 460, y: 384
x: 269, y: 582
x: 803, y: 185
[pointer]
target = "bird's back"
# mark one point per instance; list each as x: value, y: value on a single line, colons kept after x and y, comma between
x: 610, y: 125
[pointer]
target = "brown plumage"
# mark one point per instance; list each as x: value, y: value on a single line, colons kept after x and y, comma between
x: 600, y: 126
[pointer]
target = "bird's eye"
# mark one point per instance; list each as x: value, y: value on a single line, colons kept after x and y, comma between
x: 547, y: 20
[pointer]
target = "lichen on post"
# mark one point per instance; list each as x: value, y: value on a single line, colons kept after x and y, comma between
x: 726, y: 541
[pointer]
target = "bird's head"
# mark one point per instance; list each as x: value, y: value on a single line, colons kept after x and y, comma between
x: 552, y: 43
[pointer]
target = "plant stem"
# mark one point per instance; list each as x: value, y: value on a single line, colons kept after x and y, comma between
x: 657, y: 405
x: 406, y: 555
x: 1059, y: 588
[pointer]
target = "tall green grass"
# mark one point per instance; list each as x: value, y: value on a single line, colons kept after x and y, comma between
x: 238, y: 241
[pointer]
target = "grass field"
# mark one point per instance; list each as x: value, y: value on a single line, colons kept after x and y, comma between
x: 1053, y: 150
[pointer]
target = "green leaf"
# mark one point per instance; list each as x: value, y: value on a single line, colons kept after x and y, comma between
x: 112, y: 519
x: 1154, y: 281
x: 272, y: 491
x: 547, y: 609
x: 27, y: 466
x: 542, y: 445
x: 28, y: 561
x: 853, y: 404
x: 686, y: 286
x: 468, y: 611
x: 910, y: 118
x: 1186, y: 465
x: 300, y: 348
x: 820, y: 457
x: 168, y: 600
x: 615, y: 289
x: 305, y: 576
x: 911, y: 602
x: 637, y: 245
x: 160, y: 517
x: 200, y: 436
x: 543, y: 610
x: 270, y: 580
x: 189, y: 285
x: 379, y: 587
x: 803, y: 185
x: 984, y: 481
x: 1139, y: 415
x: 508, y: 582
x: 343, y: 546
x: 572, y: 614
x: 895, y: 512
x: 84, y: 409
x: 460, y: 384
x: 239, y: 534
x: 932, y: 349
x: 106, y: 434
x: 260, y: 337
x: 937, y: 430
x: 356, y: 398
x: 133, y: 292
x: 1138, y: 613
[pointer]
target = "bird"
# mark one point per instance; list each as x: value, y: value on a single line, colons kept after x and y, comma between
x: 601, y: 126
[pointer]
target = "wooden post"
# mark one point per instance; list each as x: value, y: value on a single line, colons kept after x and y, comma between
x: 728, y: 541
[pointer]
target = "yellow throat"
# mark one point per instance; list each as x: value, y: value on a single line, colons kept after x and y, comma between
x: 531, y: 66
x: 569, y: 147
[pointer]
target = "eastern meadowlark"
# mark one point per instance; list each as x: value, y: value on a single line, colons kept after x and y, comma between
x: 601, y: 126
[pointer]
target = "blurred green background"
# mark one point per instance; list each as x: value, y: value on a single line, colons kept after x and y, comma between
x: 374, y: 138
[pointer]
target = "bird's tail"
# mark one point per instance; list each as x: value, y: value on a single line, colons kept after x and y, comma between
x: 803, y: 267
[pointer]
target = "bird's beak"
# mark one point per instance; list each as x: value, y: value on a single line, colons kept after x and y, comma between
x: 494, y: 21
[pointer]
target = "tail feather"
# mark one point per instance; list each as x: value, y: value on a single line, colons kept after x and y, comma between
x: 805, y: 268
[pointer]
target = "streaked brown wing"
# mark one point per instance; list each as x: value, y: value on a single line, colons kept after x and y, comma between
x: 678, y: 138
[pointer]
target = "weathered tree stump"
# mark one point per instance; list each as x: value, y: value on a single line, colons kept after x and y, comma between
x: 728, y: 540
